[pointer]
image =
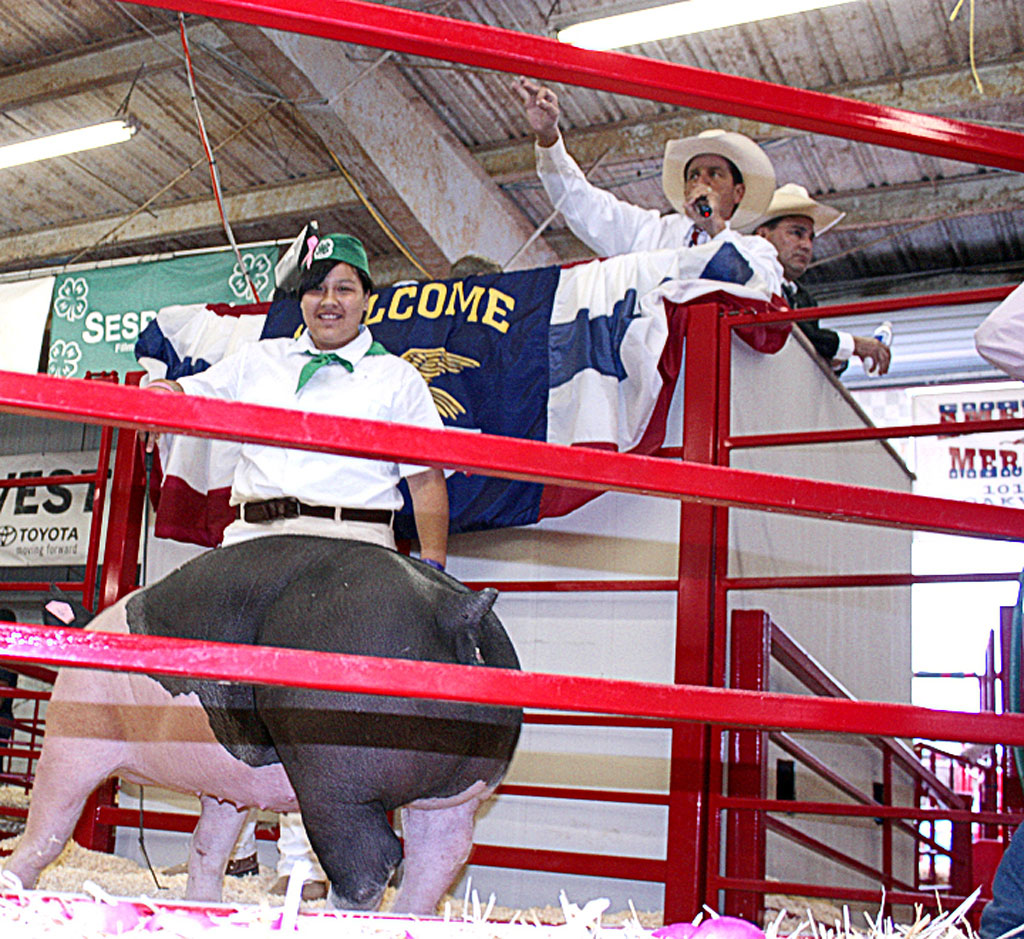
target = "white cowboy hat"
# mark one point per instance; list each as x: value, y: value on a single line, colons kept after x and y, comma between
x: 750, y: 160
x: 792, y: 199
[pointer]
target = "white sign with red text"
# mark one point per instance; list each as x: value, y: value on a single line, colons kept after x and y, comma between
x: 982, y: 467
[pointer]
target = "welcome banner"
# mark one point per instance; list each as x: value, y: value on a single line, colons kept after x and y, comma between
x: 98, y: 315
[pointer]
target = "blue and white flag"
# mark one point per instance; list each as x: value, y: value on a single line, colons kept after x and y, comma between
x: 565, y: 355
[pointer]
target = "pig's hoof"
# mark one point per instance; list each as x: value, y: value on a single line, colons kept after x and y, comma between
x: 315, y: 890
x: 243, y: 866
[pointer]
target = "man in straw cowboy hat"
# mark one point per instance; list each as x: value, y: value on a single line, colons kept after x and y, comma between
x: 791, y: 223
x: 715, y: 180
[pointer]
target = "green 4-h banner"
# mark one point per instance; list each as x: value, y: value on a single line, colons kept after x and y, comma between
x: 98, y: 315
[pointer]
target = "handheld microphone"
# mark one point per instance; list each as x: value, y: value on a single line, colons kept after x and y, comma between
x: 703, y: 207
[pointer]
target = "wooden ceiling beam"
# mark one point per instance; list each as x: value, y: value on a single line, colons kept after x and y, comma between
x: 869, y: 209
x: 114, y: 63
x: 910, y: 203
x: 306, y: 197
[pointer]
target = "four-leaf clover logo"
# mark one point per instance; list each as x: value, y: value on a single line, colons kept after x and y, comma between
x: 259, y: 270
x: 71, y: 301
x: 64, y: 358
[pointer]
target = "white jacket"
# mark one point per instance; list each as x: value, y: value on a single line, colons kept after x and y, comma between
x: 603, y: 222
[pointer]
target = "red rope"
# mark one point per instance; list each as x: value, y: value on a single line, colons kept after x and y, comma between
x: 211, y: 160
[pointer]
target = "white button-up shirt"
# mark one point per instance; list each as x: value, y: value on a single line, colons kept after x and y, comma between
x: 603, y: 222
x: 380, y: 387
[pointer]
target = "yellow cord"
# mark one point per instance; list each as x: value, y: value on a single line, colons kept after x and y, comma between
x: 970, y: 42
x: 377, y: 217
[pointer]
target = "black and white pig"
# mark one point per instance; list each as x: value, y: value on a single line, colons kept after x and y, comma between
x: 344, y: 759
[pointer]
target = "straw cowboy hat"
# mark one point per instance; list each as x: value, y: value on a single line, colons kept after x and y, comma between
x: 792, y: 199
x: 750, y: 159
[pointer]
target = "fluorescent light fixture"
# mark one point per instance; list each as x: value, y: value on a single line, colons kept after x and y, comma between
x: 680, y: 19
x: 70, y: 141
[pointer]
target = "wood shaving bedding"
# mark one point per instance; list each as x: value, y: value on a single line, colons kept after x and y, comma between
x: 13, y: 797
x: 51, y: 911
x: 125, y: 878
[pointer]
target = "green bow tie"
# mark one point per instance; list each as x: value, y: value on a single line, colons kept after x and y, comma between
x: 318, y: 361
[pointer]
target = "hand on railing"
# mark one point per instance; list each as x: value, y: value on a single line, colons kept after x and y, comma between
x: 150, y: 438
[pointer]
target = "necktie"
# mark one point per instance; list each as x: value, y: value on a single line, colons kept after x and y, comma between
x: 790, y: 291
x: 318, y: 361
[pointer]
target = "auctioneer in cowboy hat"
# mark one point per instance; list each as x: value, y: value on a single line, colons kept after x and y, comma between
x: 748, y: 157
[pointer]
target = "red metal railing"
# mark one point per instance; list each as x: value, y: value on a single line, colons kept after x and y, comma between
x: 704, y: 488
x: 436, y: 37
x: 755, y: 640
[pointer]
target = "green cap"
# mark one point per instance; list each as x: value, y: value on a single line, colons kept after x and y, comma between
x: 338, y: 247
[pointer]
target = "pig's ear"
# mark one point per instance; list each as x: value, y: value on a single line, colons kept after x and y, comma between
x: 481, y: 602
x: 60, y: 611
x: 460, y: 621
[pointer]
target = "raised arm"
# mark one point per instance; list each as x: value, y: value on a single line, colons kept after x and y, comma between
x: 540, y: 105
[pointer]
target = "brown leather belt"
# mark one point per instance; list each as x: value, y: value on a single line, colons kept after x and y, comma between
x: 288, y: 507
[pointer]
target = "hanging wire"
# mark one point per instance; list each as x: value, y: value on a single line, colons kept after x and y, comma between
x: 148, y: 463
x: 356, y: 188
x: 970, y: 42
x: 376, y: 64
x: 142, y: 834
x: 377, y: 217
x: 212, y: 161
x: 144, y: 207
x: 122, y: 108
x: 554, y: 212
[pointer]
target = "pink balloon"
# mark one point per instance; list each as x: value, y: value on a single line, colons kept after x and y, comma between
x: 727, y: 927
x: 108, y: 919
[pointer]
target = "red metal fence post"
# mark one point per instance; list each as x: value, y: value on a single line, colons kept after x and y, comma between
x: 124, y: 524
x: 691, y: 751
x: 990, y: 773
x: 99, y: 498
x: 922, y: 850
x: 961, y: 860
x: 1013, y: 792
x: 89, y: 832
x: 120, y: 564
x: 745, y: 832
x: 887, y: 866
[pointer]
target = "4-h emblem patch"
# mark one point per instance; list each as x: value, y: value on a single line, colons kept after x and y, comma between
x: 324, y: 249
